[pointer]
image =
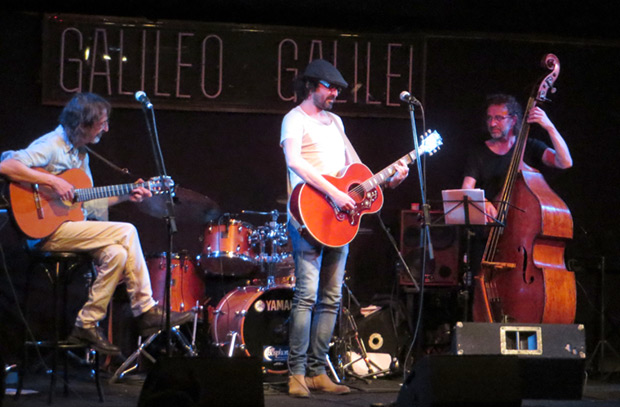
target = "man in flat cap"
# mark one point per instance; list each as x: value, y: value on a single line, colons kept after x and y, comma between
x: 314, y: 144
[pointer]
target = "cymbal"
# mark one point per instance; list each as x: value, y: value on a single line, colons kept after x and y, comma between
x: 189, y: 206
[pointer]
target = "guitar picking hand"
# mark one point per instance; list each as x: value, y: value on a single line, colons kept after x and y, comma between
x: 344, y: 201
x: 62, y: 188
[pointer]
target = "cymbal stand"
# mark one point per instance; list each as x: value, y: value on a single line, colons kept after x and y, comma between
x: 129, y: 364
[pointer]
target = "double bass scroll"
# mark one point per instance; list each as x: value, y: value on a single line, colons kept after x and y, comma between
x: 523, y: 277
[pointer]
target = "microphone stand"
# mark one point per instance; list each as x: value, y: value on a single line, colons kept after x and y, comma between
x: 427, y: 246
x: 170, y: 220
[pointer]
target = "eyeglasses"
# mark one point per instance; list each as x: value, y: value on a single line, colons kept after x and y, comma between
x: 330, y: 86
x: 497, y: 118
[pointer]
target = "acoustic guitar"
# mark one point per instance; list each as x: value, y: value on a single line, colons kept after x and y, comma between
x: 38, y: 211
x: 325, y: 221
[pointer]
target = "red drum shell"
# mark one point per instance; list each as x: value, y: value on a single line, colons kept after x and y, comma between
x: 186, y: 285
x: 227, y: 249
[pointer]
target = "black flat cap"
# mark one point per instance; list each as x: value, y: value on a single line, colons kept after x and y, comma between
x: 321, y: 69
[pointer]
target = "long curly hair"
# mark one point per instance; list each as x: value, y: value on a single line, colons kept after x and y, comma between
x: 82, y: 112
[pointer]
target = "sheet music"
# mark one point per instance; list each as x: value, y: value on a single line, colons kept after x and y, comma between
x: 454, y: 209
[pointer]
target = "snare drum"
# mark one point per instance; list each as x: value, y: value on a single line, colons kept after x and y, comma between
x: 227, y: 249
x: 256, y: 319
x: 186, y: 286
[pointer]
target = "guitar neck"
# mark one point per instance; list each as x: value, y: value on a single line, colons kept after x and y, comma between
x: 382, y: 176
x: 88, y: 194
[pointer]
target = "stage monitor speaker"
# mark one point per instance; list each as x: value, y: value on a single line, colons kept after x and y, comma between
x: 379, y: 331
x: 204, y: 382
x: 551, y: 356
x: 462, y: 381
x: 444, y: 269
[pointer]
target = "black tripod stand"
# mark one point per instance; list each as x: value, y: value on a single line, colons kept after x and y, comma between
x: 603, y: 345
x: 349, y: 346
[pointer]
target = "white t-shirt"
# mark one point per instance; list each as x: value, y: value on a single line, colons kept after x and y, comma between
x: 322, y: 145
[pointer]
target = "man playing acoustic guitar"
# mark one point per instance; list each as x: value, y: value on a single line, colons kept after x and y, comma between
x: 114, y: 246
x: 314, y: 145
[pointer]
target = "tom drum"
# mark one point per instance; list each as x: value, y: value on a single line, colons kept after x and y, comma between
x: 227, y: 250
x: 186, y: 285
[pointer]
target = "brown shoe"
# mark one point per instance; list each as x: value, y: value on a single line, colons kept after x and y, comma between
x: 297, y: 386
x: 152, y: 321
x: 323, y: 383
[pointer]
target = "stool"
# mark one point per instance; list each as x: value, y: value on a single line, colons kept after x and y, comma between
x: 59, y: 267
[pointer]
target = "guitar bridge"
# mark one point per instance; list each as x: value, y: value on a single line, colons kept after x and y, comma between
x: 37, y: 200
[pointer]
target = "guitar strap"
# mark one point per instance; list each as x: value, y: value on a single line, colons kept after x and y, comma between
x: 108, y: 162
x: 350, y: 153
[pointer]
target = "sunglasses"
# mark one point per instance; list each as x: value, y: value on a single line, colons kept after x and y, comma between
x: 330, y: 86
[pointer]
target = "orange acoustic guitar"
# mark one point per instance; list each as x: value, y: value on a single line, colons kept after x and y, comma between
x: 39, y: 212
x: 324, y: 220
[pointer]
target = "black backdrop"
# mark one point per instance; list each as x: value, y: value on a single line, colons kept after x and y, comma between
x: 234, y: 158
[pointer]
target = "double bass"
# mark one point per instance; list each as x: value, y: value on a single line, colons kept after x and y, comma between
x: 523, y: 277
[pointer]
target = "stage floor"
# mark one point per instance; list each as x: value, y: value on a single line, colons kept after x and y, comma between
x: 366, y: 393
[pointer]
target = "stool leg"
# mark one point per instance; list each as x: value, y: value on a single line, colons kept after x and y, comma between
x: 97, y: 378
x: 55, y: 287
x: 21, y: 371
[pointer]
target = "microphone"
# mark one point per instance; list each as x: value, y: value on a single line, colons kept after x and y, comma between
x: 409, y: 98
x: 142, y: 98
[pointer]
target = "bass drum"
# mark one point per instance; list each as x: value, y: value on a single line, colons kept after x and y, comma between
x: 186, y: 286
x: 257, y: 320
x: 226, y: 249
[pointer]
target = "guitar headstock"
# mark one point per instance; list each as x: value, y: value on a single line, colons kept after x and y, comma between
x: 160, y: 185
x: 430, y: 142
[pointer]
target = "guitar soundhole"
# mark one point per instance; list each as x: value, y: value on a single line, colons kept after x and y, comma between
x: 356, y: 192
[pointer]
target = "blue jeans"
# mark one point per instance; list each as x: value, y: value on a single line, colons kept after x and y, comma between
x: 319, y: 271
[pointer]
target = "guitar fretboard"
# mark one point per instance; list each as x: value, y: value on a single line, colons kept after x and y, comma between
x: 430, y: 143
x: 87, y: 194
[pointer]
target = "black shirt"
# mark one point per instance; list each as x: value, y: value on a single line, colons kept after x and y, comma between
x: 489, y: 169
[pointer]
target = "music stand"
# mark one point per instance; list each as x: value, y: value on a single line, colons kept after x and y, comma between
x: 465, y: 207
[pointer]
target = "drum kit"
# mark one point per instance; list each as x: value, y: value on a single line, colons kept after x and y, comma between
x: 252, y: 318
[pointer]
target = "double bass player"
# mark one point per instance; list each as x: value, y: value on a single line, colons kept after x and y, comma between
x: 488, y: 162
x: 522, y: 276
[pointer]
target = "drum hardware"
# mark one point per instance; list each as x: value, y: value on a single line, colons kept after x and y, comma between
x: 180, y: 269
x: 233, y: 342
x: 180, y: 339
x: 270, y: 243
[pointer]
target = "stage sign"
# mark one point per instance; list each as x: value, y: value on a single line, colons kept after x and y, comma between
x: 184, y: 65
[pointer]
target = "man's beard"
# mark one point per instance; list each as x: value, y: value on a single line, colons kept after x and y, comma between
x: 325, y: 104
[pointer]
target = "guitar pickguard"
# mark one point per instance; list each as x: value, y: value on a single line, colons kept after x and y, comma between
x: 353, y: 217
